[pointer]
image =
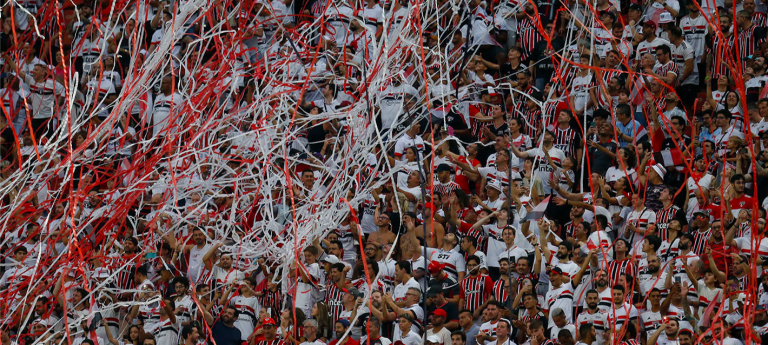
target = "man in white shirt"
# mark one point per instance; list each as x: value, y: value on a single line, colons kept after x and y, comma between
x: 45, y: 94
x: 404, y: 282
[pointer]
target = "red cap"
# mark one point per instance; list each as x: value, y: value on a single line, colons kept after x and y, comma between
x: 268, y: 321
x: 434, y: 267
x: 430, y: 206
x: 440, y: 312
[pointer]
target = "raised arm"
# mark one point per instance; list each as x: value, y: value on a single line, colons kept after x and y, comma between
x: 720, y: 276
x: 209, y: 255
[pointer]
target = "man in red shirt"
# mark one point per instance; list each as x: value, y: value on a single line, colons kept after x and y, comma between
x: 740, y: 199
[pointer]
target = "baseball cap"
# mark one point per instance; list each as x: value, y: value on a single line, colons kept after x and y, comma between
x: 650, y: 24
x: 700, y: 212
x: 433, y: 339
x: 343, y: 322
x: 268, y: 321
x: 440, y: 312
x: 331, y: 259
x: 556, y: 270
x: 430, y: 206
x: 434, y: 267
x: 354, y: 292
x: 666, y: 17
x: 434, y: 290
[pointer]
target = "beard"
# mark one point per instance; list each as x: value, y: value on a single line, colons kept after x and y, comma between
x: 602, y: 283
x: 592, y: 305
x: 652, y: 269
x: 684, y: 246
x: 561, y: 256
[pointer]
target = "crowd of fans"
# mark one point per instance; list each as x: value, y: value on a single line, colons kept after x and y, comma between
x: 546, y: 173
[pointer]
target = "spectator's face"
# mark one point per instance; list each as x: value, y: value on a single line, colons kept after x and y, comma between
x: 592, y: 300
x: 504, y: 267
x: 198, y: 237
x: 383, y: 220
x: 493, y: 312
x: 336, y: 275
x: 725, y: 23
x: 334, y: 250
x: 19, y: 256
x: 738, y: 185
x: 403, y: 323
x: 502, y: 329
x: 180, y: 288
x: 618, y: 296
x: 456, y: 339
x: 522, y: 266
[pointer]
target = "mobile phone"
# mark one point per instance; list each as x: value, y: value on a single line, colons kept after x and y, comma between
x: 678, y: 279
x: 665, y: 319
x: 150, y: 255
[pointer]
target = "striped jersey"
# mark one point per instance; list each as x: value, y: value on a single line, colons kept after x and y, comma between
x: 720, y: 47
x: 566, y: 140
x: 334, y: 299
x: 700, y: 240
x: 475, y: 290
x: 665, y: 216
x: 749, y: 40
x: 599, y: 319
x: 618, y: 315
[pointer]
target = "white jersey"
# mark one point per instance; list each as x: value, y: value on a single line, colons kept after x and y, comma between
x: 196, y: 266
x: 42, y: 97
x: 695, y: 32
x: 680, y: 55
x: 453, y: 262
x: 187, y: 306
x: 562, y: 298
x: 162, y: 114
x: 248, y: 310
x: 391, y: 103
x: 543, y: 171
x: 338, y: 17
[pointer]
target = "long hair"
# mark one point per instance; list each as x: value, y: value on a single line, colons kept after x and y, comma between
x: 324, y: 326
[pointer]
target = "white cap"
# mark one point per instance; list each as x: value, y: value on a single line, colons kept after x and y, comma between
x: 495, y: 184
x: 331, y: 259
x: 433, y: 339
x: 666, y: 17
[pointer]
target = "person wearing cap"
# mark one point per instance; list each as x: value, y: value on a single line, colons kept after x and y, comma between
x: 433, y: 340
x: 495, y: 200
x: 443, y: 183
x: 448, y: 255
x: 342, y: 338
x: 352, y: 300
x: 270, y: 333
x: 436, y: 301
x: 449, y: 285
x: 404, y: 332
x: 439, y: 333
